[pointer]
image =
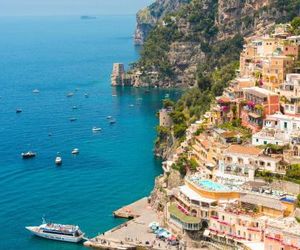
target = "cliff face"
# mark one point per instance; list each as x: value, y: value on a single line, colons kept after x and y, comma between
x: 148, y: 17
x: 199, y: 33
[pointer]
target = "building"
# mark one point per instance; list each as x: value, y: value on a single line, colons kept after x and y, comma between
x: 275, y: 68
x: 278, y: 129
x: 257, y: 105
x: 282, y: 234
x: 290, y: 92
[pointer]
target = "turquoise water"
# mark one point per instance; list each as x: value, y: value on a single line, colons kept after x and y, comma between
x: 210, y: 185
x: 116, y: 166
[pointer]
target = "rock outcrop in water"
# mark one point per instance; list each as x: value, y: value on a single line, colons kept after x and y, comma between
x: 188, y: 35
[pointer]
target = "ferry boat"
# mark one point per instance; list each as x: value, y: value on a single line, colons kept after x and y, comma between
x: 28, y: 155
x: 68, y: 233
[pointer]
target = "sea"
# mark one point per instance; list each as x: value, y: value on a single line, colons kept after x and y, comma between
x: 116, y: 166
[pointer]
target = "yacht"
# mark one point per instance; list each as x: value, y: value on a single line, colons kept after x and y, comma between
x: 75, y: 151
x: 58, y: 160
x: 68, y: 233
x: 28, y: 155
x: 95, y: 129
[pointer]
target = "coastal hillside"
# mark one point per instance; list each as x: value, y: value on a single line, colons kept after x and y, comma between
x: 148, y: 17
x: 194, y: 39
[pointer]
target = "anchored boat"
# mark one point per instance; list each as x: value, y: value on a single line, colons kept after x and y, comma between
x: 28, y: 155
x: 68, y: 233
x: 58, y: 160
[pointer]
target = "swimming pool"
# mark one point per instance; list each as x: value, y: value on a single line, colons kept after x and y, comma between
x: 209, y: 185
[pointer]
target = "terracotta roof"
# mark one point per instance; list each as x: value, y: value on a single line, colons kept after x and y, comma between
x: 247, y: 150
x: 229, y: 134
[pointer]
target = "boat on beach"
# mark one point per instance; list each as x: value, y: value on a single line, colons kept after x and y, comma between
x: 28, y: 155
x: 58, y: 160
x: 52, y: 231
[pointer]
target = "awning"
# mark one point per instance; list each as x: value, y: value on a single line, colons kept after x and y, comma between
x: 206, y: 233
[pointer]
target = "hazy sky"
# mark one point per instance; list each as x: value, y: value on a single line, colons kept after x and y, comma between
x: 70, y: 7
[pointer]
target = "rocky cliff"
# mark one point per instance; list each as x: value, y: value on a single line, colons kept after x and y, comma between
x: 148, y: 17
x: 199, y: 36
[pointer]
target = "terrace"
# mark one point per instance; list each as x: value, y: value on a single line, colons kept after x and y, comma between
x: 183, y: 220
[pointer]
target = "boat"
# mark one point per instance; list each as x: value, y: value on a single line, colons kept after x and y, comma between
x: 95, y: 129
x: 73, y: 119
x: 74, y: 107
x: 18, y: 110
x: 167, y: 96
x: 112, y: 121
x: 131, y: 105
x: 109, y: 117
x: 114, y: 95
x: 86, y: 95
x: 58, y: 160
x: 28, y: 155
x: 75, y: 151
x: 70, y: 94
x: 87, y: 17
x: 52, y: 231
x: 35, y: 91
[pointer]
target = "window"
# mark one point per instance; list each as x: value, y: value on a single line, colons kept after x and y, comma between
x: 256, y: 140
x: 265, y: 142
x: 285, y: 125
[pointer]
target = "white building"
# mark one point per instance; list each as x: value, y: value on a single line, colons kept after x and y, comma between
x: 277, y: 129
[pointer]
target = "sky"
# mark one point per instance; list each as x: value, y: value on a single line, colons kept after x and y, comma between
x: 70, y: 7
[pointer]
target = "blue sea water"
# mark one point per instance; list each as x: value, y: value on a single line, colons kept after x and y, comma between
x: 58, y: 55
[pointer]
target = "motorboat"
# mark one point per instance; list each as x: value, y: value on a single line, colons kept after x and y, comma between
x: 28, y: 155
x: 70, y: 94
x: 60, y: 232
x: 95, y: 129
x: 109, y: 117
x: 86, y: 95
x: 113, y: 121
x: 73, y: 119
x: 75, y: 151
x: 35, y: 91
x: 18, y: 110
x: 74, y: 107
x: 58, y: 160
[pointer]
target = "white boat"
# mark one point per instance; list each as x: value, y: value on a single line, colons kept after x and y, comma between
x: 75, y: 151
x: 35, y: 91
x: 70, y: 94
x: 58, y: 160
x: 95, y: 129
x: 68, y: 233
x: 74, y: 107
x: 109, y: 117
